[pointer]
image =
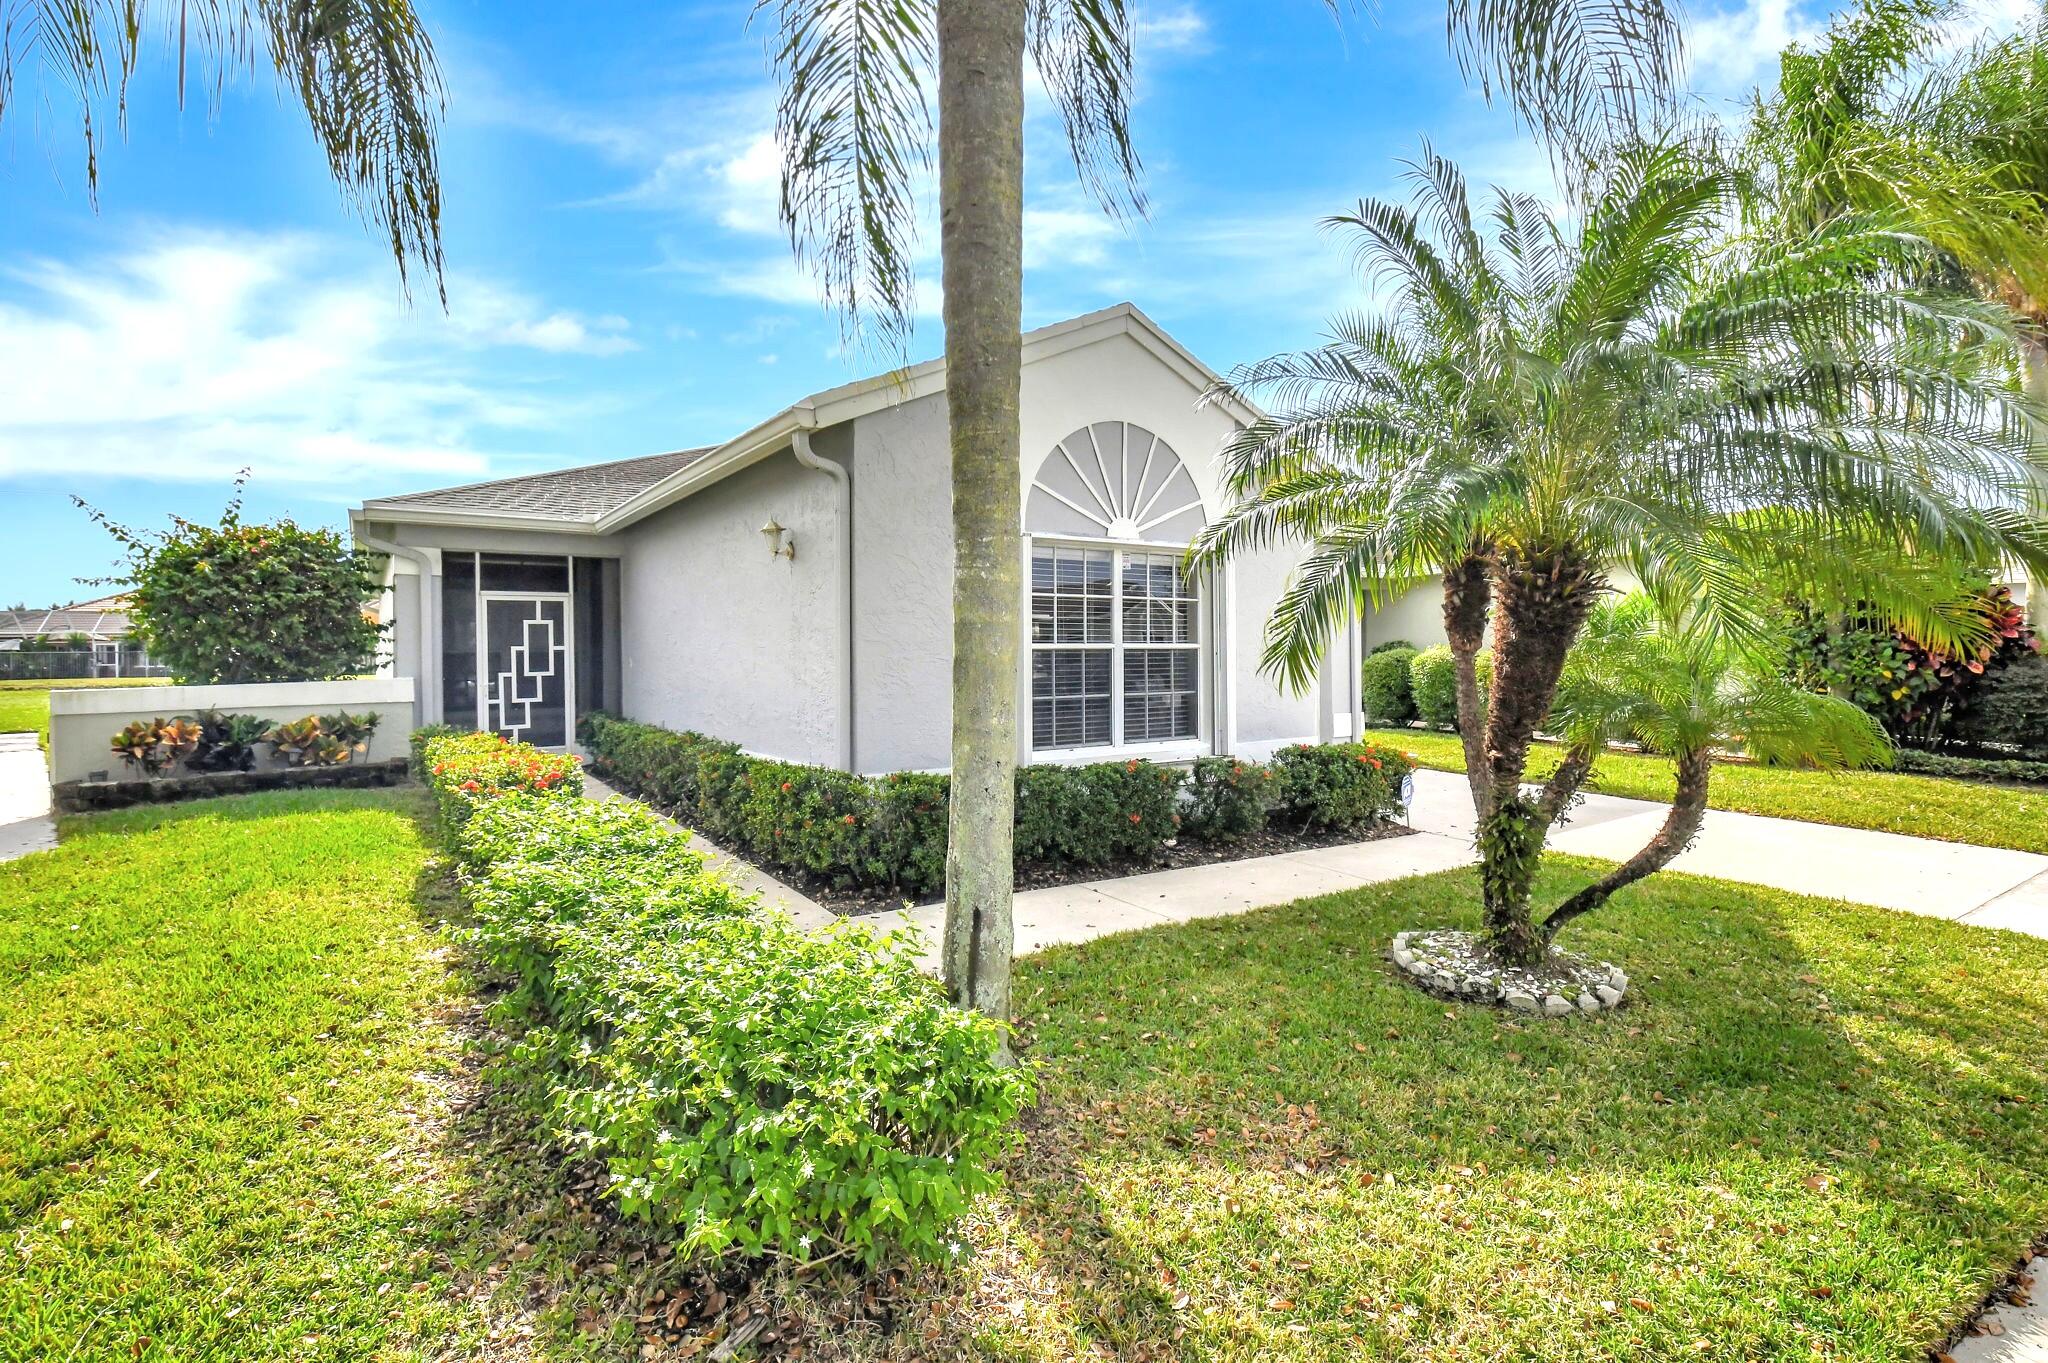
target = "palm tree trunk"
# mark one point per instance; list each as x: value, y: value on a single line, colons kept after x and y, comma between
x: 1543, y: 597
x: 1468, y: 599
x: 981, y: 217
x: 1681, y: 826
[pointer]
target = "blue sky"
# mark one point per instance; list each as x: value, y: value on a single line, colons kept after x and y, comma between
x: 617, y: 282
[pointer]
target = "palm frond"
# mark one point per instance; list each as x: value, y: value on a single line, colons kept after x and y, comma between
x: 1082, y: 49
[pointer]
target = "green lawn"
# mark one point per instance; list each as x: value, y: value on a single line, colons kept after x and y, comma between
x: 26, y: 704
x: 1817, y: 1134
x: 238, y: 1122
x: 1925, y: 806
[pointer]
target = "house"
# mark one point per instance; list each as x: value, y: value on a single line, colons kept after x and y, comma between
x: 96, y: 634
x: 791, y: 588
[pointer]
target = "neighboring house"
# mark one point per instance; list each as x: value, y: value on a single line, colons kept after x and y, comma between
x: 791, y: 589
x: 98, y: 628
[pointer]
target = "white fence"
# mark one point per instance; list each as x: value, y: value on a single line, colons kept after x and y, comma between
x: 83, y: 722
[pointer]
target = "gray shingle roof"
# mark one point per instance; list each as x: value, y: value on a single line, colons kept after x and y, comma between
x: 103, y: 619
x: 579, y: 493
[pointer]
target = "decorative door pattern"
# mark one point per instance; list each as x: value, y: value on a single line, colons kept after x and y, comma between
x: 526, y: 668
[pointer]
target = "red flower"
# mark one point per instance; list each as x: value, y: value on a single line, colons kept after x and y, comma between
x: 1136, y: 818
x: 848, y: 821
x: 785, y: 787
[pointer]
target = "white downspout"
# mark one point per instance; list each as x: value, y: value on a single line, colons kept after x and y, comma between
x: 800, y: 445
x: 429, y: 710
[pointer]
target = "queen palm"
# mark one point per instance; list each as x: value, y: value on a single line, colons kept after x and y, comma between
x: 1541, y: 405
x: 363, y: 70
x: 854, y: 127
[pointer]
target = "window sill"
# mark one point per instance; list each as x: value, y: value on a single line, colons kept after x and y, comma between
x: 1176, y: 750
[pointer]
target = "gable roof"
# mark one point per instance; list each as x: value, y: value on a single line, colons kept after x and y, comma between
x: 602, y: 498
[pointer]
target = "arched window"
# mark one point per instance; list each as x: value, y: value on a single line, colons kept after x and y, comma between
x: 1113, y: 480
x: 1115, y: 631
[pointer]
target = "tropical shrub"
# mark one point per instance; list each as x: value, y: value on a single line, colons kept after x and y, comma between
x: 416, y: 744
x: 250, y: 603
x: 1433, y: 679
x: 1387, y: 684
x: 227, y: 742
x: 812, y: 817
x: 905, y: 843
x: 466, y: 769
x: 1338, y: 785
x: 756, y: 1088
x: 1227, y: 799
x: 1096, y: 814
x: 152, y: 746
x: 1919, y: 762
x: 1392, y: 644
x: 353, y: 732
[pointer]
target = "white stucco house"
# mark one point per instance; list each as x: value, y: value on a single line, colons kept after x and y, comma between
x: 658, y: 587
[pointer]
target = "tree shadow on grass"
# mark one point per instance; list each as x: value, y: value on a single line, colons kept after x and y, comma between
x: 1816, y: 1129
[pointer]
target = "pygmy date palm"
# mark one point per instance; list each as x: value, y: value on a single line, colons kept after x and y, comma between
x: 363, y: 70
x: 1542, y: 405
x: 854, y: 127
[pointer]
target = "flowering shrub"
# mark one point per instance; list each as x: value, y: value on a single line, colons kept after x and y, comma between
x: 1227, y: 799
x: 813, y: 817
x: 466, y: 769
x: 1338, y: 785
x: 1093, y: 815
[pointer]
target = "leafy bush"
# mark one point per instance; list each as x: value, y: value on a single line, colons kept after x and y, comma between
x: 1393, y: 644
x: 466, y: 769
x: 905, y: 846
x: 1096, y: 814
x: 1227, y: 799
x: 2008, y: 708
x: 812, y: 817
x: 1433, y: 678
x: 250, y: 603
x: 1387, y: 685
x: 353, y: 732
x: 759, y: 1089
x: 416, y: 762
x: 227, y: 742
x: 659, y: 763
x: 1338, y: 785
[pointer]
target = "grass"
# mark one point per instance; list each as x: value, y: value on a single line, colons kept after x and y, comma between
x: 25, y: 705
x: 1816, y: 1133
x: 238, y: 1121
x: 217, y: 1041
x: 1891, y: 802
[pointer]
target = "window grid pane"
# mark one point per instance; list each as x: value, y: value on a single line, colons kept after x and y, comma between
x: 1077, y: 595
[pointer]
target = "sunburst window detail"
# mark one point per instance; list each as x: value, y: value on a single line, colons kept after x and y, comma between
x: 1114, y: 480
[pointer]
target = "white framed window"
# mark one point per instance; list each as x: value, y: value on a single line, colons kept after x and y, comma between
x: 1115, y: 648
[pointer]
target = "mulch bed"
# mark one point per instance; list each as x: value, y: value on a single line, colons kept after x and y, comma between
x: 851, y: 903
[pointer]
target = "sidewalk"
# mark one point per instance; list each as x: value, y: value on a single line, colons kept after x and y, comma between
x: 25, y: 822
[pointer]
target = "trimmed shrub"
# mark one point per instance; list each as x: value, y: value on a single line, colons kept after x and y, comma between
x: 467, y: 770
x: 1433, y: 679
x: 1227, y: 799
x: 1387, y: 685
x: 756, y: 1088
x: 812, y: 817
x: 2009, y: 708
x: 1391, y: 645
x: 1338, y: 785
x: 905, y: 846
x: 416, y: 763
x: 1096, y: 814
x: 1921, y: 763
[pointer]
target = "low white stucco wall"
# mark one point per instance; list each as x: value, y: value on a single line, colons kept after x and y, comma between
x: 83, y: 722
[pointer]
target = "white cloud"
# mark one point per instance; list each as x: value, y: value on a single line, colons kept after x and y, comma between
x: 1729, y: 51
x: 191, y: 355
x: 1175, y: 29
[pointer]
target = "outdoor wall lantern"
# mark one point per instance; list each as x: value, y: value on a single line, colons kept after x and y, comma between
x: 781, y: 544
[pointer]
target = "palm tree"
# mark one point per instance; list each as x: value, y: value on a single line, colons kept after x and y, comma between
x: 854, y: 126
x: 364, y: 71
x: 1679, y: 689
x: 1539, y: 407
x: 1879, y: 120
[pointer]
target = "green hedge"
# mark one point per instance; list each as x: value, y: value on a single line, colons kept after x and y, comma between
x: 756, y: 1088
x: 1338, y: 785
x: 1921, y: 763
x: 1387, y: 685
x: 889, y: 832
x: 1433, y: 679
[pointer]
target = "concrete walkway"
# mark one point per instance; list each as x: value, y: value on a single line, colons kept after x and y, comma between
x: 25, y: 822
